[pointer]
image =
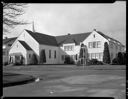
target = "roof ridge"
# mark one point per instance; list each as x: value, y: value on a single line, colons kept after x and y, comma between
x: 109, y: 37
x: 26, y: 45
x: 73, y: 34
x: 38, y: 33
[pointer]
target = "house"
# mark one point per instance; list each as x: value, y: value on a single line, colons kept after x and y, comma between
x: 7, y: 43
x: 57, y: 48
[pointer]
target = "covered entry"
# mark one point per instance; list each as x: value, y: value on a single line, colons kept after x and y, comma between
x: 16, y: 58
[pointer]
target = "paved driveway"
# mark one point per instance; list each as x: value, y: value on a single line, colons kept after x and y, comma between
x: 101, y: 81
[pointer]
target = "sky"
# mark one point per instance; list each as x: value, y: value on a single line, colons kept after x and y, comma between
x: 61, y: 19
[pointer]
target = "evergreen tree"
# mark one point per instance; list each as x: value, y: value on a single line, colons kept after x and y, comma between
x: 106, y: 54
x: 34, y: 60
x: 124, y: 58
x: 120, y: 58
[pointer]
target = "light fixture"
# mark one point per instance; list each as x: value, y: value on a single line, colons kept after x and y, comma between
x: 4, y: 46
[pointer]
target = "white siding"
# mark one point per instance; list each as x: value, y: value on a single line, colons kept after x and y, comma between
x: 30, y: 41
x: 51, y: 60
x: 29, y: 58
x: 97, y: 37
x: 73, y: 52
x: 18, y: 48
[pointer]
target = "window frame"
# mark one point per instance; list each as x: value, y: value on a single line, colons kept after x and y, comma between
x: 55, y: 54
x: 49, y: 54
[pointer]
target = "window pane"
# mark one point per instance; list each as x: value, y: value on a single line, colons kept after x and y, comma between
x: 97, y: 55
x: 54, y: 54
x: 98, y: 44
x: 69, y: 48
x: 94, y: 44
x: 49, y: 53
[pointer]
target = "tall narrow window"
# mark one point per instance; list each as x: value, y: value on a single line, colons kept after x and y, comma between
x: 90, y: 44
x: 94, y: 44
x: 54, y: 54
x: 94, y: 35
x: 76, y: 56
x: 29, y: 55
x: 98, y: 44
x: 49, y: 53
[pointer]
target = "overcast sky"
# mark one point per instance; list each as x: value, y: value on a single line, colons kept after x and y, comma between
x: 61, y: 19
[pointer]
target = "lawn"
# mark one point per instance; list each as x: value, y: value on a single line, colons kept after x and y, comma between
x: 70, y: 80
x: 11, y: 79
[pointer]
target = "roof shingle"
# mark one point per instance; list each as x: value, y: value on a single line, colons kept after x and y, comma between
x: 77, y: 38
x: 9, y: 40
x: 25, y: 45
x: 64, y: 39
x: 43, y: 38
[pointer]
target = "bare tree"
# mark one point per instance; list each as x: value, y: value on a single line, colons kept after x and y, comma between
x: 11, y: 11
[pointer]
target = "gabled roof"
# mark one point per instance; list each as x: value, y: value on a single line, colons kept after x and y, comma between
x: 25, y: 45
x: 64, y: 39
x: 107, y: 37
x: 77, y: 38
x: 5, y: 41
x: 43, y: 38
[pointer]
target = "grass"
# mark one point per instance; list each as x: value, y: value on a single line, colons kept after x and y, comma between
x: 68, y: 80
x: 11, y: 79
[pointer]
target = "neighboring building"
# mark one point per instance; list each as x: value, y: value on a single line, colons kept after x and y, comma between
x: 7, y: 43
x: 56, y: 48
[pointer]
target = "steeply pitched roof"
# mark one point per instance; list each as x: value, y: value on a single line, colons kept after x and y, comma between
x: 43, y: 38
x: 25, y: 45
x: 77, y: 38
x: 5, y: 41
x: 64, y: 39
x: 107, y: 37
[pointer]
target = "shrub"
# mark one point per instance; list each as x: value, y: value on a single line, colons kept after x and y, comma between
x: 69, y: 60
x: 5, y: 63
x: 124, y: 58
x: 120, y: 59
x: 34, y: 60
x: 17, y: 63
x: 115, y: 61
x: 95, y: 62
x: 78, y: 63
x: 106, y: 54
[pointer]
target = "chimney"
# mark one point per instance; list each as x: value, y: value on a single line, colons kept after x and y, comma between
x: 69, y: 34
x: 94, y: 29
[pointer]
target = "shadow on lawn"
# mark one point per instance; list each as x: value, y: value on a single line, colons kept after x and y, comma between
x: 12, y: 79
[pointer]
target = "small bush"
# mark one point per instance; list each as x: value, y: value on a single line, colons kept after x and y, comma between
x: 81, y: 63
x: 95, y: 62
x: 120, y: 59
x: 78, y: 63
x: 34, y: 60
x: 5, y: 63
x: 69, y: 60
x: 17, y: 63
x: 115, y: 61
